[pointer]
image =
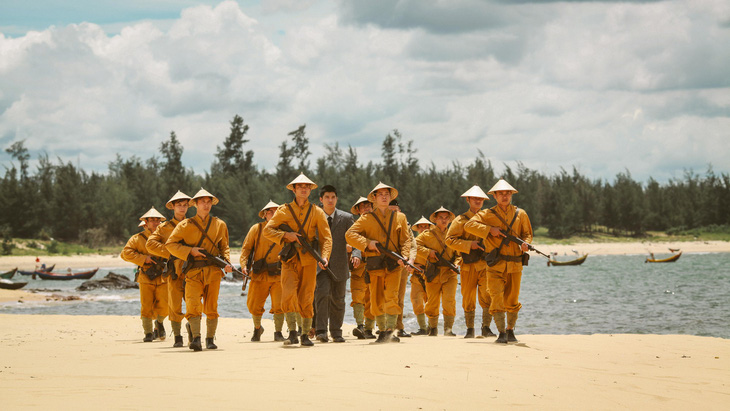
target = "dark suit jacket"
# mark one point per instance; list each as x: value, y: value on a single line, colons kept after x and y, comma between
x: 339, y: 263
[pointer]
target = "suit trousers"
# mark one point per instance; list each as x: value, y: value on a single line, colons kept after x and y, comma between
x: 329, y: 302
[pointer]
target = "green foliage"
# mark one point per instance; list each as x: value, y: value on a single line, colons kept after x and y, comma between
x: 62, y: 201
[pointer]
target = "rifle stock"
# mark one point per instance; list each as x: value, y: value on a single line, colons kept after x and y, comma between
x: 397, y: 257
x: 308, y: 247
x: 520, y: 241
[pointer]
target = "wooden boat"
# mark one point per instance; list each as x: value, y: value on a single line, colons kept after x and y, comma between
x: 45, y: 270
x: 9, y: 285
x: 84, y: 275
x: 664, y: 260
x: 577, y: 261
x: 9, y: 274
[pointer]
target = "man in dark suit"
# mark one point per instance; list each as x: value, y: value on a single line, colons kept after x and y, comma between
x: 329, y: 296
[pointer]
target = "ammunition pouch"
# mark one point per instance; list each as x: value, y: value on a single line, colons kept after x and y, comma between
x: 258, y: 266
x: 273, y: 268
x: 525, y: 259
x: 376, y: 262
x: 492, y: 257
x: 430, y: 272
x: 473, y: 256
x: 288, y: 251
x: 152, y: 272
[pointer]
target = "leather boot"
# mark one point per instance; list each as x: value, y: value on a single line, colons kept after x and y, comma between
x: 502, y: 339
x: 306, y: 342
x: 257, y: 334
x: 178, y: 341
x: 448, y: 325
x: 511, y: 336
x: 359, y: 332
x: 293, y: 339
x: 190, y: 333
x: 369, y: 335
x: 421, y: 331
x: 393, y: 338
x: 149, y: 337
x: 469, y: 333
x: 487, y: 332
x: 209, y: 343
x: 195, y: 345
x: 384, y: 337
x: 160, y: 328
x: 403, y: 333
x: 278, y: 336
x: 433, y: 332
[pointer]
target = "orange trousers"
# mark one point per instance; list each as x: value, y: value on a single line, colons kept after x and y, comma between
x: 153, y: 297
x: 504, y: 288
x: 443, y: 286
x: 473, y: 283
x: 260, y: 288
x: 384, y: 287
x: 297, y: 287
x: 202, y: 283
x: 175, y: 298
x: 418, y: 296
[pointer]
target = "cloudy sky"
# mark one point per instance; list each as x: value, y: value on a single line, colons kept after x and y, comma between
x: 604, y: 86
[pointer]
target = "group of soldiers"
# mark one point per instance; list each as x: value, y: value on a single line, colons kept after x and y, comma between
x: 301, y: 255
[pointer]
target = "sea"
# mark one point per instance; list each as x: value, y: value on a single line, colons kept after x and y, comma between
x: 611, y: 294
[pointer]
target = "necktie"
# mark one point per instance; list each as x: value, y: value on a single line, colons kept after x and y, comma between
x: 329, y: 221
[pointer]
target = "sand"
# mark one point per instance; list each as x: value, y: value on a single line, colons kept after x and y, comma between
x: 78, y: 262
x: 82, y: 362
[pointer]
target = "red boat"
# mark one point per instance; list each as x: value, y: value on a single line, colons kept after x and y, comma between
x: 84, y: 275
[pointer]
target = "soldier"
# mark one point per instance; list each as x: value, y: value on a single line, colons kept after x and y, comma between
x: 179, y: 203
x: 366, y: 234
x: 473, y: 268
x: 203, y: 232
x: 505, y: 272
x: 441, y: 280
x: 418, y: 283
x: 358, y: 286
x: 395, y: 206
x: 152, y: 288
x: 299, y: 268
x: 262, y: 256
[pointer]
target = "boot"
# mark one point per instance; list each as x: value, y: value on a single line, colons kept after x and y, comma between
x: 278, y: 336
x: 209, y: 344
x: 487, y: 332
x: 278, y: 324
x: 155, y: 334
x: 178, y: 341
x: 359, y: 332
x: 369, y: 334
x: 421, y: 331
x: 502, y: 339
x: 293, y: 339
x: 149, y: 337
x: 148, y: 328
x: 257, y: 334
x: 190, y: 333
x: 160, y: 328
x: 306, y: 342
x: 448, y: 325
x: 386, y: 337
x: 195, y: 345
x: 469, y: 333
x: 403, y: 333
x: 211, y: 325
x: 511, y: 336
x: 433, y: 332
x: 433, y: 323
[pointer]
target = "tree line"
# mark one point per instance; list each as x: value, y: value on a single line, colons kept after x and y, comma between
x: 62, y: 201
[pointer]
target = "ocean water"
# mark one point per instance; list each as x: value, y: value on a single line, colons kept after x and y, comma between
x: 605, y: 295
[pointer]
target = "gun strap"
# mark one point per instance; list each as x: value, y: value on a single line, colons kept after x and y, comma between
x: 296, y: 220
x: 205, y: 232
x: 509, y: 226
x: 390, y: 227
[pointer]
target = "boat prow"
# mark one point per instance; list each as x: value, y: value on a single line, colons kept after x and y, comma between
x: 577, y: 261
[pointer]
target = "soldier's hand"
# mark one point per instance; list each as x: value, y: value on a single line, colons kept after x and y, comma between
x: 228, y: 269
x: 356, y: 262
x: 524, y: 247
x: 372, y: 246
x: 475, y: 245
x: 409, y: 268
x: 348, y: 247
x: 433, y: 255
x: 148, y: 260
x: 195, y: 252
x: 323, y: 266
x: 401, y: 263
x: 495, y: 232
x: 244, y: 269
x: 291, y: 237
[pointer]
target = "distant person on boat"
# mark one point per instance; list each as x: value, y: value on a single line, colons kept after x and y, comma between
x: 504, y: 274
x: 262, y: 257
x: 203, y: 232
x: 473, y: 267
x: 152, y: 287
x: 175, y: 279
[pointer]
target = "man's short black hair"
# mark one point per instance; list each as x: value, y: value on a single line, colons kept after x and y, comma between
x: 327, y: 189
x: 394, y: 202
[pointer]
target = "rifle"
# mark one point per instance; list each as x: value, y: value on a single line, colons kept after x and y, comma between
x: 220, y: 262
x: 157, y: 268
x: 308, y: 247
x: 397, y: 257
x: 446, y: 263
x: 520, y: 241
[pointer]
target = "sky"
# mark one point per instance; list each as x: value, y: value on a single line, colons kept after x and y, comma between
x: 602, y: 86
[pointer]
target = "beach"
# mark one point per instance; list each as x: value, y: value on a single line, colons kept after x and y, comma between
x: 600, y: 248
x: 71, y: 362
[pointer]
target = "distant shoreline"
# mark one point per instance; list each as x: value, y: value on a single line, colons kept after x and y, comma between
x: 620, y: 248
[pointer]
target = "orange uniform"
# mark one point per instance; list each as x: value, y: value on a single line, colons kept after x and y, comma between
x: 152, y: 292
x: 175, y: 286
x: 268, y: 281
x: 443, y: 285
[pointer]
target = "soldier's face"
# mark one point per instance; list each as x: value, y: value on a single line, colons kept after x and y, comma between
x: 152, y: 223
x: 365, y: 207
x: 382, y: 197
x: 180, y: 207
x: 442, y: 220
x: 269, y: 213
x: 302, y: 190
x: 475, y: 202
x: 204, y: 204
x: 503, y: 197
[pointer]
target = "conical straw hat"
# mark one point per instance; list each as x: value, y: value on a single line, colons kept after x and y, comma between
x: 502, y: 186
x: 477, y: 192
x: 355, y: 210
x: 152, y: 213
x: 301, y: 179
x: 271, y: 204
x: 393, y: 192
x: 432, y: 218
x: 178, y: 196
x: 142, y: 223
x: 203, y: 193
x: 423, y: 220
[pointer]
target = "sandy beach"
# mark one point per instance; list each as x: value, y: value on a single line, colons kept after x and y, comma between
x: 75, y: 361
x: 625, y: 248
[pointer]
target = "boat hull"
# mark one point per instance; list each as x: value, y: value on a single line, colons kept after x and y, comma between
x: 578, y: 261
x: 665, y: 260
x: 65, y: 277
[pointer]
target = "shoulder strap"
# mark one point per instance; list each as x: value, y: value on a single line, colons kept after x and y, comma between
x: 143, y: 236
x: 387, y: 232
x: 306, y: 217
x: 205, y: 232
x: 509, y: 226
